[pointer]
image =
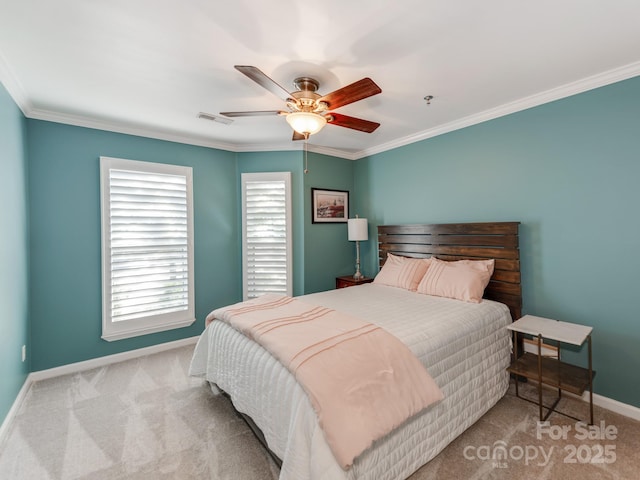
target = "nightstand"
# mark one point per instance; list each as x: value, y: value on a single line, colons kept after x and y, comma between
x: 349, y: 281
x: 550, y: 370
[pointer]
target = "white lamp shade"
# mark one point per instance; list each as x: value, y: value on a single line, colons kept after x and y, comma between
x: 306, y: 122
x: 358, y: 230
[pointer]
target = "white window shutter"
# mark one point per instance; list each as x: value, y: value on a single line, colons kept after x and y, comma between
x: 266, y: 233
x: 147, y: 247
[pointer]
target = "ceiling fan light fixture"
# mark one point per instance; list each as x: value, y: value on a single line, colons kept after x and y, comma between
x: 306, y: 122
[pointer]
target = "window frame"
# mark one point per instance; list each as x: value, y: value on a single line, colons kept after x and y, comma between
x: 117, y: 330
x: 268, y: 177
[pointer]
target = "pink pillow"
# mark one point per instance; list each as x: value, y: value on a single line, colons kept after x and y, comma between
x: 402, y: 272
x: 463, y: 279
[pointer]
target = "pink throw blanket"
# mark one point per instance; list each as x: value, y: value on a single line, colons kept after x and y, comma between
x: 362, y: 381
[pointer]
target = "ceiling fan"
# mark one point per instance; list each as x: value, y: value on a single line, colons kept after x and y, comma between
x: 307, y: 111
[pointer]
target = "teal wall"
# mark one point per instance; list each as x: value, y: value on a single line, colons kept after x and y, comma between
x: 14, y: 262
x: 65, y: 270
x: 328, y: 252
x: 570, y: 172
x: 252, y: 162
x: 320, y: 251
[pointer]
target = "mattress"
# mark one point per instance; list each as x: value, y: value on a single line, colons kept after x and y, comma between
x: 465, y: 347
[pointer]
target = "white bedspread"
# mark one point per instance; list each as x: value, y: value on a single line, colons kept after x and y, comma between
x: 465, y: 348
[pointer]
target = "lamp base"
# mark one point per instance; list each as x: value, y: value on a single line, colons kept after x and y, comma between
x: 358, y: 275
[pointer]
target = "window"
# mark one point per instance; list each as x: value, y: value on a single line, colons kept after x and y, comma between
x: 147, y: 247
x: 266, y: 234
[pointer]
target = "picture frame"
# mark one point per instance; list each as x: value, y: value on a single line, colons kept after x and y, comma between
x: 329, y: 206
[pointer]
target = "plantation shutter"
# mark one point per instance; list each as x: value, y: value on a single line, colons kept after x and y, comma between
x: 266, y: 234
x: 149, y: 254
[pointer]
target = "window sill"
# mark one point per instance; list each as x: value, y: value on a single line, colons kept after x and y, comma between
x: 136, y: 332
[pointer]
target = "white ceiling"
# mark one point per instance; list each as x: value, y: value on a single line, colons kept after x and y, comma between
x: 148, y: 67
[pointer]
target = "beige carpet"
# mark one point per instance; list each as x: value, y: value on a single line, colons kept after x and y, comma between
x: 146, y: 419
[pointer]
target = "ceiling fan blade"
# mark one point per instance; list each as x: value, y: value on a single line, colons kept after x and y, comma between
x: 351, y: 93
x: 297, y: 136
x: 254, y: 113
x: 264, y: 81
x: 352, y: 122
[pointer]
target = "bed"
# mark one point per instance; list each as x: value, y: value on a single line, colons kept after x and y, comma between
x: 464, y: 346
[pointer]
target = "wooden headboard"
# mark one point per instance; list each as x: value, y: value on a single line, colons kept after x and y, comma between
x: 456, y: 241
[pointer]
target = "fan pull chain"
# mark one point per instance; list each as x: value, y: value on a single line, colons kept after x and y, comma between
x: 306, y: 161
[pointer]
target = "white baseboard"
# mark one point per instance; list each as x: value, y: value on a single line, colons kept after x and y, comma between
x: 610, y: 404
x: 109, y: 359
x: 82, y: 366
x: 13, y: 411
x: 614, y: 405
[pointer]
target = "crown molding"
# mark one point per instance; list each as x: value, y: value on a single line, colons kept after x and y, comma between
x: 332, y: 152
x: 83, y: 121
x: 18, y: 93
x: 292, y: 146
x: 595, y: 81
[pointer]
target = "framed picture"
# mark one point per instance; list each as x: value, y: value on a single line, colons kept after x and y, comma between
x: 329, y: 206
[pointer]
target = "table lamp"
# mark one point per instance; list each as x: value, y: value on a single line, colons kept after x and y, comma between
x: 358, y: 231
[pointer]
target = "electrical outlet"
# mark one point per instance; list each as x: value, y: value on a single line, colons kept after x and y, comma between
x: 24, y: 352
